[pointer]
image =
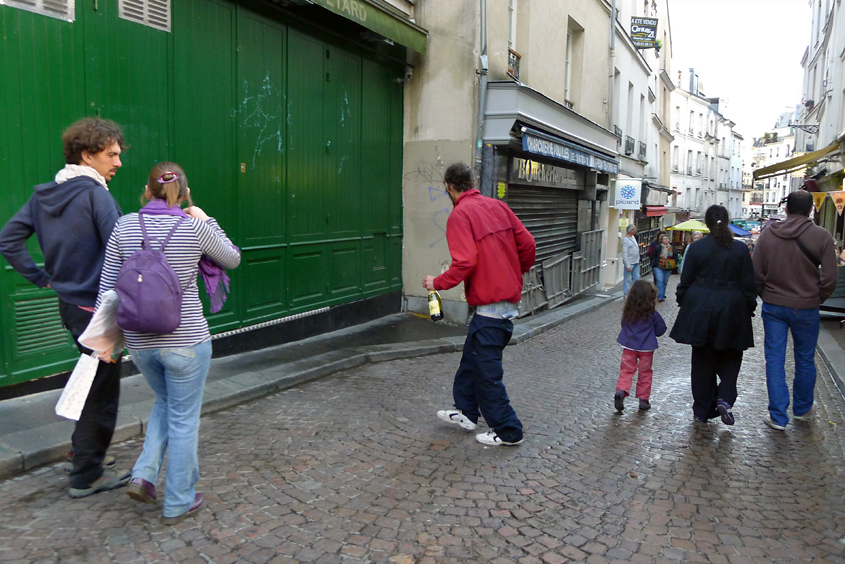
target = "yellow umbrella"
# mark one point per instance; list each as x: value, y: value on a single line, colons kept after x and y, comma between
x: 690, y: 225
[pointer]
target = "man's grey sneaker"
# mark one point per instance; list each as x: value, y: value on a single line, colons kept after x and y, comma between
x: 492, y: 439
x: 645, y: 405
x: 619, y: 400
x: 456, y: 417
x: 108, y: 462
x: 807, y: 415
x: 724, y: 410
x: 108, y: 481
x: 768, y: 421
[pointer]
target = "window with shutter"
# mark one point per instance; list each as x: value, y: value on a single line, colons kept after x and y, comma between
x: 152, y: 13
x: 59, y: 9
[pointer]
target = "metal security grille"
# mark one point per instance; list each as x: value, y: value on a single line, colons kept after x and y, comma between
x: 59, y: 9
x: 153, y: 13
x: 550, y: 215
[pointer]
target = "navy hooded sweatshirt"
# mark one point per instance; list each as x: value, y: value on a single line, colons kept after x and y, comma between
x: 73, y: 222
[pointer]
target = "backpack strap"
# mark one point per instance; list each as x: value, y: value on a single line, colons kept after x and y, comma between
x: 806, y: 252
x: 145, y: 239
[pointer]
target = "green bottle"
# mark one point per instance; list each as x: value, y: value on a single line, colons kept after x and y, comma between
x: 435, y: 306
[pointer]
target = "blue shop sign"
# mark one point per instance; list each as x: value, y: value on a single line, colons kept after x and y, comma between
x: 559, y: 150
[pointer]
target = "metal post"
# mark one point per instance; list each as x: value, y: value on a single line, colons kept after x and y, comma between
x: 482, y: 93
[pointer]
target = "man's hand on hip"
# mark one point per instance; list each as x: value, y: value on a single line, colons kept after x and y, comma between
x: 428, y: 283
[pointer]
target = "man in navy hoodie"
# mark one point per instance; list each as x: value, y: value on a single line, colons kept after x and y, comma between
x: 73, y: 218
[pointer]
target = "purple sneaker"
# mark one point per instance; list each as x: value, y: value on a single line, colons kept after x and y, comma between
x: 725, y: 411
x: 141, y: 490
x: 194, y: 509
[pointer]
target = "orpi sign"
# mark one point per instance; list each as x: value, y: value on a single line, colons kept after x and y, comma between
x: 644, y: 32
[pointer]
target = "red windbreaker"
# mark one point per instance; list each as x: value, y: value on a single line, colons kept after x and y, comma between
x: 490, y: 250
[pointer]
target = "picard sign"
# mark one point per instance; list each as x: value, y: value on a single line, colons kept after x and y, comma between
x: 540, y: 146
x: 351, y: 8
x: 525, y: 171
x: 644, y: 32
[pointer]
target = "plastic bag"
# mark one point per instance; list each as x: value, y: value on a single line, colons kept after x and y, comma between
x: 102, y: 334
x: 73, y: 397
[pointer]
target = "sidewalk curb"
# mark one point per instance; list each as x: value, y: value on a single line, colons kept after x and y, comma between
x: 37, y: 447
x: 833, y: 355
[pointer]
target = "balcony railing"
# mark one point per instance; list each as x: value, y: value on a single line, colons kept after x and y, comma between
x: 698, y: 171
x: 689, y: 171
x: 513, y: 63
x: 618, y: 131
x: 641, y: 147
x: 691, y: 130
x: 629, y: 145
x: 674, y: 168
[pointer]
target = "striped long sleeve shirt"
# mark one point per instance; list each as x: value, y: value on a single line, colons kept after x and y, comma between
x: 193, y: 239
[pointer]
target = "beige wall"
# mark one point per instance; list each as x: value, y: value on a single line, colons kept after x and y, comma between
x: 440, y: 114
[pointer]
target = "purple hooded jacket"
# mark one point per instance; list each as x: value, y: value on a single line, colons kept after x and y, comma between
x: 642, y: 335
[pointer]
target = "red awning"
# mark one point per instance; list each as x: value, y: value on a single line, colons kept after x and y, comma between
x: 653, y: 211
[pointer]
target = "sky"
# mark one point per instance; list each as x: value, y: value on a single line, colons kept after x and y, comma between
x: 748, y: 51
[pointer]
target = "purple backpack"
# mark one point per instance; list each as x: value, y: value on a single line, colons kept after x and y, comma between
x: 149, y: 290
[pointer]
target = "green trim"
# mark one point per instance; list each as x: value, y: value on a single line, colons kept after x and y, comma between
x: 363, y: 13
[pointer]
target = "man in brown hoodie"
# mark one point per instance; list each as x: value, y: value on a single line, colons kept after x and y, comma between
x: 786, y: 265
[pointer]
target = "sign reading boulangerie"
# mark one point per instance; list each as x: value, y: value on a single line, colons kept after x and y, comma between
x: 626, y: 194
x: 644, y: 32
x: 526, y: 171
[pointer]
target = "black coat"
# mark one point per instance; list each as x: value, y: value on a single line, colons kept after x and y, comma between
x: 717, y: 296
x: 654, y: 251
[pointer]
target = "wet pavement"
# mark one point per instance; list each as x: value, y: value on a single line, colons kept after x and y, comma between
x: 356, y: 468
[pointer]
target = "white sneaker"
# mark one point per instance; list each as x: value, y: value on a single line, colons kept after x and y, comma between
x: 456, y: 417
x: 768, y: 421
x: 808, y: 415
x: 492, y: 439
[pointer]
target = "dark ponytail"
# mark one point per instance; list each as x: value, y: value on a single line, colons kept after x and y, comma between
x: 716, y: 218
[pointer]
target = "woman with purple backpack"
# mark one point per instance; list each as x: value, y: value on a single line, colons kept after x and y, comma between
x: 174, y: 362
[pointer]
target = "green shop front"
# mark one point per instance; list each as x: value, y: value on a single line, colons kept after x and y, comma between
x: 286, y: 116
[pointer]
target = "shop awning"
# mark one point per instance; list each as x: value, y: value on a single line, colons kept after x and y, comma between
x: 794, y: 164
x: 738, y: 231
x: 654, y: 211
x: 379, y: 20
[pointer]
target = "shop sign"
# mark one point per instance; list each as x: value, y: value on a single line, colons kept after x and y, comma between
x: 818, y: 199
x: 644, y: 32
x: 565, y: 152
x: 526, y: 171
x: 626, y: 194
x: 838, y: 200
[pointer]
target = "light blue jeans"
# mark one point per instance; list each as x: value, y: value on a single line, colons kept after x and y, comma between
x: 177, y: 376
x: 661, y: 278
x: 778, y: 321
x: 628, y: 278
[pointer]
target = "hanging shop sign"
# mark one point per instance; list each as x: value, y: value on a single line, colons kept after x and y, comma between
x: 526, y: 171
x: 818, y: 199
x: 566, y: 152
x: 626, y: 194
x: 838, y: 200
x: 644, y: 32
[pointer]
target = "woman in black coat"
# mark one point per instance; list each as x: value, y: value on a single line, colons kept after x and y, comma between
x: 717, y: 298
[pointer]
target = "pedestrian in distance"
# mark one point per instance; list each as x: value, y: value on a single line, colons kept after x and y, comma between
x: 491, y: 250
x: 73, y: 217
x: 787, y: 258
x: 717, y: 300
x: 630, y: 258
x: 641, y: 325
x: 174, y: 364
x: 664, y: 259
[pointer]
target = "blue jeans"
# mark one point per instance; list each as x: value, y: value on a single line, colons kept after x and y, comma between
x: 478, y: 383
x: 661, y: 278
x: 804, y: 324
x: 177, y: 376
x: 628, y: 278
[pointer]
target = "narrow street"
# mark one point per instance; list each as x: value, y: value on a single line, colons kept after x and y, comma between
x: 357, y: 468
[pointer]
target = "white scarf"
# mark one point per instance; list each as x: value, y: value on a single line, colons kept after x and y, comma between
x: 72, y: 171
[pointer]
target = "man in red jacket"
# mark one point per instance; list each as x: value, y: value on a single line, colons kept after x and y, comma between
x: 490, y: 249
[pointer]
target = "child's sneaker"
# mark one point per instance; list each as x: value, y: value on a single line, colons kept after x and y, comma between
x: 724, y: 410
x: 619, y: 400
x: 644, y: 405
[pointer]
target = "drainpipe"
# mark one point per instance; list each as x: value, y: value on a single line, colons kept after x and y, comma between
x: 612, y: 64
x: 482, y: 94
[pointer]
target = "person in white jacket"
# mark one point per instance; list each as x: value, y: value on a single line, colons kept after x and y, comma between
x: 630, y: 258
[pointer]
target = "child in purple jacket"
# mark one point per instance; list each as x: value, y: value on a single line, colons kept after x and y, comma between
x: 641, y: 325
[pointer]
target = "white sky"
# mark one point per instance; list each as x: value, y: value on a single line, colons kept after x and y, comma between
x: 748, y: 51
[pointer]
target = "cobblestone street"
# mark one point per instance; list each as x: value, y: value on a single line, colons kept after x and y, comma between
x: 357, y: 468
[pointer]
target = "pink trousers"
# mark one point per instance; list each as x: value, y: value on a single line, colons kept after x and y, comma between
x: 632, y: 361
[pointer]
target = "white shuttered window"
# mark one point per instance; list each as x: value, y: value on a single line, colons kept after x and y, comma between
x: 59, y: 9
x: 152, y: 13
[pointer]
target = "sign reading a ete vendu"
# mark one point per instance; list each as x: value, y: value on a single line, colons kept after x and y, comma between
x: 540, y: 146
x: 644, y: 32
x: 626, y: 194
